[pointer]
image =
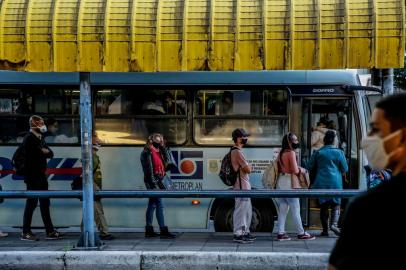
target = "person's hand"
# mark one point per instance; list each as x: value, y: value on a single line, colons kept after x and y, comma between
x: 45, y: 151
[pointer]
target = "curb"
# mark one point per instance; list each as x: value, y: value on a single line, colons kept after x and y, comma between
x: 137, y: 260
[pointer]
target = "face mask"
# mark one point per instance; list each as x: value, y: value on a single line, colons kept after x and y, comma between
x: 295, y: 145
x: 156, y: 145
x: 375, y: 152
x: 244, y: 141
x: 43, y: 129
x: 96, y: 147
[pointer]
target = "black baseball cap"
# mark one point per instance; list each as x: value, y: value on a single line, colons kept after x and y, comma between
x: 239, y: 133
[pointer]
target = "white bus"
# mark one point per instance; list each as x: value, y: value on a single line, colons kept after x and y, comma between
x: 196, y: 112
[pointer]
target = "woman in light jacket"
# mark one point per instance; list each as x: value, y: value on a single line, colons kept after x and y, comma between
x: 288, y: 167
x: 330, y: 164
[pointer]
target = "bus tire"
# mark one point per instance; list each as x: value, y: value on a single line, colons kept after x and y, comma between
x: 223, y: 217
x: 265, y: 215
x: 262, y: 217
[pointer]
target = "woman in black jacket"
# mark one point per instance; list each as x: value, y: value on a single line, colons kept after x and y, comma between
x: 154, y: 158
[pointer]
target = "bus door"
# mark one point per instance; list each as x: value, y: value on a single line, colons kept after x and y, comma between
x: 320, y: 114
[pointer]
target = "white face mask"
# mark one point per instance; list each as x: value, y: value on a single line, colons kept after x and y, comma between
x: 374, y: 149
x: 43, y: 129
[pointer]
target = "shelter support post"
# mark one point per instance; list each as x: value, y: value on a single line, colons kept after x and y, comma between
x: 88, y: 238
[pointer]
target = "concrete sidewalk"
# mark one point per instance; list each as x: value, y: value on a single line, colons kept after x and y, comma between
x: 188, y: 251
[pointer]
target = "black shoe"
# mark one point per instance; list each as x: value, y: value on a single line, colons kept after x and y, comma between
x: 241, y: 239
x: 324, y: 234
x: 55, y: 235
x: 28, y: 237
x: 249, y: 237
x: 149, y: 232
x: 165, y: 234
x: 107, y: 236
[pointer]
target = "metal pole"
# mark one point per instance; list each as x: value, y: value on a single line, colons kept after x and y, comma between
x: 87, y: 160
x: 388, y: 81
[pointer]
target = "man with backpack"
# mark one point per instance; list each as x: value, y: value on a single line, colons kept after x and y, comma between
x: 243, y: 208
x: 30, y: 160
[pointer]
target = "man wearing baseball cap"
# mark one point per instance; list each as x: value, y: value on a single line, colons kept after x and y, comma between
x: 243, y: 208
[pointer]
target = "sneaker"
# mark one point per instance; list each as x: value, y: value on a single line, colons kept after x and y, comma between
x: 249, y: 237
x: 241, y: 239
x: 2, y: 234
x: 55, y: 235
x: 306, y: 236
x: 283, y: 237
x: 28, y: 237
x: 335, y: 230
x: 107, y: 236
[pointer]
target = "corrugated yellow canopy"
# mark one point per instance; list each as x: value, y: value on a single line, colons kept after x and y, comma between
x: 173, y: 35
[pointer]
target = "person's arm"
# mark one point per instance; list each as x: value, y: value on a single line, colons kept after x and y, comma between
x: 246, y: 169
x: 46, y: 151
x: 242, y: 162
x: 295, y: 169
x: 147, y: 167
x: 343, y: 162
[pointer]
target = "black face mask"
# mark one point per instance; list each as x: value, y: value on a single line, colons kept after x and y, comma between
x: 295, y: 145
x: 244, y: 141
x: 156, y: 145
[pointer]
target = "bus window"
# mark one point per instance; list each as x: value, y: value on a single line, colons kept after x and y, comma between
x: 60, y: 106
x: 263, y: 113
x: 125, y: 116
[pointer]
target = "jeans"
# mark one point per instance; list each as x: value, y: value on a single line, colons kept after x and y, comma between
x: 155, y: 204
x: 31, y: 204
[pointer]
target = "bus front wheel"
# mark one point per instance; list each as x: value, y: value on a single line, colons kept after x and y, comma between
x: 262, y: 216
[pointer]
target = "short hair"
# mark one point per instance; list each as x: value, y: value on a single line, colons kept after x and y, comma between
x: 151, y: 138
x: 323, y: 120
x: 393, y: 106
x: 34, y: 119
x: 329, y: 137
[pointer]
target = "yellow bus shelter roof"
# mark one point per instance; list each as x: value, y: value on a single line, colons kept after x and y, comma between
x: 176, y: 35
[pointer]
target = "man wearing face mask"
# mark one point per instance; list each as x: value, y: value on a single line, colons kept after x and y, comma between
x: 373, y: 228
x: 243, y: 208
x: 36, y: 154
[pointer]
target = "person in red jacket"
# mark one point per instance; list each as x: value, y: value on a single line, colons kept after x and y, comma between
x: 153, y: 159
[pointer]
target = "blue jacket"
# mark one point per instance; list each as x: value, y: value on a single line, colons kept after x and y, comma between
x: 330, y: 164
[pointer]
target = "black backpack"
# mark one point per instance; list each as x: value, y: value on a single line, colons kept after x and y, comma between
x: 227, y: 173
x: 18, y: 160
